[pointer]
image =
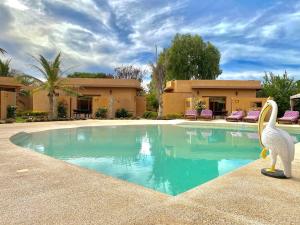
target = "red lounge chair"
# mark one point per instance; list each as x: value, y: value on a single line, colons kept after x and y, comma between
x: 192, y: 113
x: 289, y: 117
x: 235, y: 116
x: 252, y: 116
x: 206, y: 114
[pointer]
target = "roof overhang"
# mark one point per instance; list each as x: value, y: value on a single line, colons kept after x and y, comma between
x: 225, y: 87
x: 295, y: 96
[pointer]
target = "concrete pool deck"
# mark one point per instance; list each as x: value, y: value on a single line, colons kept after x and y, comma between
x: 38, y: 189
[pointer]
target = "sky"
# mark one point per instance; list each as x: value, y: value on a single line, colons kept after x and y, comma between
x: 253, y: 36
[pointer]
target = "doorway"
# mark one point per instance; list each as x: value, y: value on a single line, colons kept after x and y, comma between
x: 218, y: 105
x: 84, y: 104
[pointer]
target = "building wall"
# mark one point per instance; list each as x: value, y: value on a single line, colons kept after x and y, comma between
x: 101, y: 97
x: 40, y: 102
x: 247, y: 104
x: 24, y: 103
x: 6, y: 98
x: 180, y: 95
x: 188, y: 85
x: 174, y: 103
x: 228, y: 93
x: 140, y: 105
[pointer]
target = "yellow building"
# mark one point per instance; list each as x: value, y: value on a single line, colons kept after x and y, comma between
x: 8, y: 94
x: 221, y: 96
x: 95, y: 93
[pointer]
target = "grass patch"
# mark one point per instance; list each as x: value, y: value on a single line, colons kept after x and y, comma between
x: 20, y: 120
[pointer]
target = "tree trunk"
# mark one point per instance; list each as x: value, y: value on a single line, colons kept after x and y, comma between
x: 52, y: 106
x: 160, y: 106
x: 54, y: 109
x: 51, y: 115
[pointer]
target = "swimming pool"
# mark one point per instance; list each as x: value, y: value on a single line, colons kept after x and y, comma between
x: 168, y: 158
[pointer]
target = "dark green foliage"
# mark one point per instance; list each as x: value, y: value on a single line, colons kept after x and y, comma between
x: 11, y: 111
x: 122, y: 113
x: 5, y: 68
x: 199, y: 106
x: 150, y: 115
x: 90, y: 75
x: 189, y: 57
x: 61, y: 110
x: 280, y: 88
x: 152, y: 102
x: 27, y: 114
x: 101, y: 113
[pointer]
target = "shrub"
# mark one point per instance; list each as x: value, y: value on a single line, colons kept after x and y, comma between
x: 10, y: 120
x: 101, y: 113
x: 122, y: 113
x: 173, y: 116
x: 11, y: 111
x: 61, y: 110
x: 199, y: 106
x: 27, y: 114
x: 150, y: 115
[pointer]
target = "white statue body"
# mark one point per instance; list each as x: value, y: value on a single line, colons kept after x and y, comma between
x: 277, y: 141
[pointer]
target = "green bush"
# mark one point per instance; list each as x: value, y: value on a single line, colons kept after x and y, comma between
x: 173, y: 116
x: 122, y: 113
x: 101, y: 113
x: 26, y: 114
x: 61, y: 110
x: 150, y: 115
x: 11, y: 111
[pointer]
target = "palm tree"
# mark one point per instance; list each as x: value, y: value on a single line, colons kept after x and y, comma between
x: 2, y: 51
x: 5, y: 68
x: 54, y: 82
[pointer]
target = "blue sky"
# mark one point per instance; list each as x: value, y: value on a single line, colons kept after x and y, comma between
x: 253, y: 36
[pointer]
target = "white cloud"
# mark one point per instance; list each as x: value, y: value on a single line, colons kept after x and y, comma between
x: 133, y: 27
x: 16, y: 4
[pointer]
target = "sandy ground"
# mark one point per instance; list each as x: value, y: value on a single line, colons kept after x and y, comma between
x: 37, y: 189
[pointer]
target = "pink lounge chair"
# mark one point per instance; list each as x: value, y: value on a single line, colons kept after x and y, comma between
x: 206, y: 114
x: 289, y: 117
x: 235, y: 116
x: 252, y: 116
x: 192, y: 113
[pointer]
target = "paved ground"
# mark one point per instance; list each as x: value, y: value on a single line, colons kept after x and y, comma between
x: 37, y: 189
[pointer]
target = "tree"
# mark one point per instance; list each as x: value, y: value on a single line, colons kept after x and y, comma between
x: 129, y: 72
x: 159, y: 80
x: 28, y: 80
x: 90, y: 75
x: 2, y: 51
x: 280, y: 88
x: 189, y: 57
x: 5, y: 68
x: 51, y: 71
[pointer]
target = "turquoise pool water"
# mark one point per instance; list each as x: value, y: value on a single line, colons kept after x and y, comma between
x: 168, y: 158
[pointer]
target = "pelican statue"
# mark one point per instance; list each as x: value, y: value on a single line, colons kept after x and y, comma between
x: 275, y: 140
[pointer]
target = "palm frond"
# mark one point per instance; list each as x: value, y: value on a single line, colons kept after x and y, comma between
x: 69, y: 91
x: 2, y: 51
x: 28, y: 80
x: 5, y: 68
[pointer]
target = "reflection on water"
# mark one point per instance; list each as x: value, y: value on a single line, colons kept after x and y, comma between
x: 167, y: 158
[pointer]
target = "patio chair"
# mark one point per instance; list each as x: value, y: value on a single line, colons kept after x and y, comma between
x: 252, y: 116
x: 191, y: 113
x: 206, y: 114
x: 235, y: 116
x: 289, y: 117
